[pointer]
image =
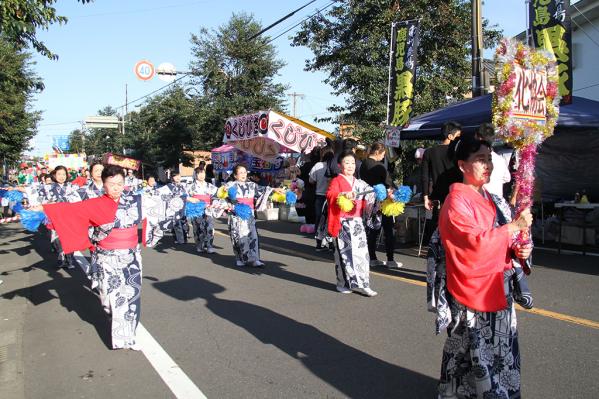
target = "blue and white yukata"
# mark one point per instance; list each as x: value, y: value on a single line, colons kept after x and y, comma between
x: 243, y: 233
x: 203, y: 226
x: 481, y: 356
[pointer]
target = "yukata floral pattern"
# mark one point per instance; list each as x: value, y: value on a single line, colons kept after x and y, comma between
x: 243, y: 233
x: 117, y: 273
x: 352, y: 261
x: 481, y: 357
x: 53, y: 193
x: 203, y: 227
x: 90, y: 190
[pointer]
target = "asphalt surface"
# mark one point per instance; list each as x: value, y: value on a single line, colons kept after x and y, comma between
x: 277, y: 332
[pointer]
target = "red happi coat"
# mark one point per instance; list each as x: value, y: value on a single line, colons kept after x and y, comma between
x: 72, y: 220
x: 339, y: 185
x: 477, y: 253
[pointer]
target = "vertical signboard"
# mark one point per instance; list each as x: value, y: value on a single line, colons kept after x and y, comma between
x: 402, y: 74
x: 550, y: 28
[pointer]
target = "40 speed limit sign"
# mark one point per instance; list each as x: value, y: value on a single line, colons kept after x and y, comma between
x: 144, y: 70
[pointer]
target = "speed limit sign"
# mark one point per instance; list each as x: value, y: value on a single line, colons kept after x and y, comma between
x: 144, y: 70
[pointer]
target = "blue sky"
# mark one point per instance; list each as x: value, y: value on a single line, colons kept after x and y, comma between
x: 102, y: 41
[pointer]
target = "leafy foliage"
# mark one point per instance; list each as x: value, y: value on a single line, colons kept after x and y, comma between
x: 351, y: 42
x: 234, y: 75
x: 20, y: 19
x: 18, y: 83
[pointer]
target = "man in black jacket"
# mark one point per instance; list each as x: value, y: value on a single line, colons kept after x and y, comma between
x: 373, y: 171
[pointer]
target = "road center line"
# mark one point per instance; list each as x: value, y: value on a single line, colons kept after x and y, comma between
x: 537, y: 311
x: 173, y: 376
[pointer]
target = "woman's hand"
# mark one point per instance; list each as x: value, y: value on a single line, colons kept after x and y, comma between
x: 279, y: 190
x: 349, y: 195
x: 193, y: 200
x: 523, y: 251
x: 522, y: 222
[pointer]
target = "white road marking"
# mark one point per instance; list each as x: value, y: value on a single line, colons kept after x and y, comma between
x: 173, y: 376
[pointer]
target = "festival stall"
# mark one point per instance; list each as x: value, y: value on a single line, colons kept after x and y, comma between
x: 269, y: 134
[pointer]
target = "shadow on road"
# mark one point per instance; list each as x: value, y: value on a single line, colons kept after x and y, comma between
x: 351, y: 371
x: 568, y: 263
x: 71, y: 290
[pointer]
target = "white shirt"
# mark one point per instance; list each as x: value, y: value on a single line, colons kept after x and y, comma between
x: 500, y: 175
x: 317, y: 174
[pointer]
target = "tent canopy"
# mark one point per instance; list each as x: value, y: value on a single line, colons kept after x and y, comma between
x: 581, y: 114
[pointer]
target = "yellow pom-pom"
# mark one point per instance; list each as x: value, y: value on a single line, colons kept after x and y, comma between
x: 345, y: 204
x: 391, y: 208
x: 222, y: 192
x: 277, y: 197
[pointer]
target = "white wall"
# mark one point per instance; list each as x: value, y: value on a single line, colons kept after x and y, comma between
x: 586, y: 60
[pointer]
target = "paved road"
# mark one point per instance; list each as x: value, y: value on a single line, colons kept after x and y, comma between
x: 276, y: 332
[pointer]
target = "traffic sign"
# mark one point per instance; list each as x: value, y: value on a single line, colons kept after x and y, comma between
x: 144, y: 70
x: 166, y: 72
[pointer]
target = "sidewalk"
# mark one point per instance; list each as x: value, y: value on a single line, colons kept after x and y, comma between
x: 15, y: 253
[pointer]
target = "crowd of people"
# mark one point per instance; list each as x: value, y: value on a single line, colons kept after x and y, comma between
x: 474, y: 271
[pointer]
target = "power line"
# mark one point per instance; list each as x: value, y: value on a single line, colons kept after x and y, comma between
x: 155, y: 91
x: 585, y: 17
x: 280, y: 20
x: 302, y: 21
x: 59, y: 123
x: 586, y: 87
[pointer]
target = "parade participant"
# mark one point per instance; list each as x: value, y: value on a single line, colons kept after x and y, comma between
x: 347, y: 228
x: 481, y: 356
x: 150, y: 184
x: 176, y: 188
x: 59, y: 191
x: 203, y: 226
x: 94, y: 187
x: 131, y: 182
x: 116, y: 261
x: 244, y: 235
x: 373, y: 171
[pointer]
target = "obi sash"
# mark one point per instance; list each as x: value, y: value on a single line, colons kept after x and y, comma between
x: 356, y: 212
x: 204, y: 198
x: 248, y: 201
x: 120, y: 239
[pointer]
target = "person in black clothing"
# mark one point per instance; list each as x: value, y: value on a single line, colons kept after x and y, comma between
x: 438, y: 173
x: 309, y: 193
x: 373, y: 171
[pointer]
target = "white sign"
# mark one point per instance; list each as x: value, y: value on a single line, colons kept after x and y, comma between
x: 166, y: 72
x: 144, y: 70
x: 107, y: 122
x: 392, y: 136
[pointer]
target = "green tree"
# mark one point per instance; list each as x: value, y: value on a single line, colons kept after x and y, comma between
x: 20, y: 19
x: 164, y: 129
x: 18, y: 83
x: 234, y: 75
x: 351, y: 43
x: 76, y: 141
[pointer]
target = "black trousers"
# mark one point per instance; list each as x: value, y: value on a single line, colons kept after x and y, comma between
x: 389, y: 231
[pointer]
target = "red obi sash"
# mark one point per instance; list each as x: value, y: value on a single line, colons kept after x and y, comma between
x: 356, y: 212
x: 204, y: 198
x: 120, y: 239
x: 248, y: 201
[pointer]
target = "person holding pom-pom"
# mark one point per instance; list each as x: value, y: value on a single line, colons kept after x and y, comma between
x: 347, y: 206
x: 242, y: 227
x: 203, y: 226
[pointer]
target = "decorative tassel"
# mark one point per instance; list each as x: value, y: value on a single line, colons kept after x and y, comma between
x: 345, y: 204
x: 277, y: 197
x: 232, y: 193
x: 222, y: 192
x: 195, y: 210
x: 402, y: 194
x: 243, y: 211
x: 290, y: 198
x: 380, y: 192
x: 31, y: 220
x: 392, y: 208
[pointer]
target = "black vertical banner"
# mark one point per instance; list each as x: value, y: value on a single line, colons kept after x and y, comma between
x: 551, y: 29
x: 402, y: 75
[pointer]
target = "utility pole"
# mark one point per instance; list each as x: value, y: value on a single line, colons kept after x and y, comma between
x: 477, y: 45
x: 295, y: 96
